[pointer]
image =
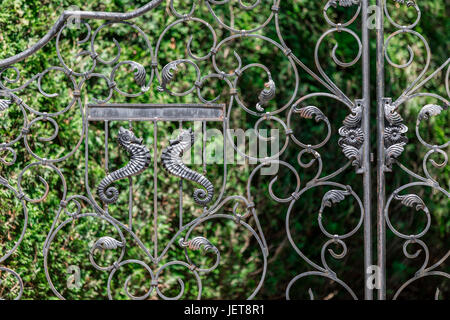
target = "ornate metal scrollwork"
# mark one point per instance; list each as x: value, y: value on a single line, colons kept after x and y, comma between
x: 139, y: 161
x: 198, y: 243
x: 172, y: 161
x: 352, y: 136
x: 107, y: 243
x: 266, y: 95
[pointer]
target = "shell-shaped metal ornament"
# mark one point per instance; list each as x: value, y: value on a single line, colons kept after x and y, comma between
x: 167, y: 74
x: 428, y: 111
x: 309, y: 112
x: 333, y: 197
x: 4, y: 104
x: 412, y: 200
x: 409, y: 3
x: 139, y: 74
x: 343, y: 3
x: 107, y: 243
x: 266, y: 95
x: 198, y: 243
x: 351, y: 136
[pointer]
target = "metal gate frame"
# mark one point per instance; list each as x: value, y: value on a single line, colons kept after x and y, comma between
x: 355, y: 135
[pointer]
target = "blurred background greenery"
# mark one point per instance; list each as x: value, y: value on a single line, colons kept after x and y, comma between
x: 23, y: 22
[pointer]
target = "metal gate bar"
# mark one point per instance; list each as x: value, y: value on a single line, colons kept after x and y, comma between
x: 358, y: 153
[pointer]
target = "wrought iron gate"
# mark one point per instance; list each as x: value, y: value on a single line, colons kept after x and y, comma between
x: 147, y: 160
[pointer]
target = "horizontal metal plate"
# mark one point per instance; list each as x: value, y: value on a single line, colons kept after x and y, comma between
x: 156, y: 112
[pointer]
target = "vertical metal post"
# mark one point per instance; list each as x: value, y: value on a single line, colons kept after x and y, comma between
x: 368, y: 293
x: 381, y: 227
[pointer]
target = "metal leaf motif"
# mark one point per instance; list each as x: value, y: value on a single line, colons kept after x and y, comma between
x: 309, y: 112
x: 428, y: 111
x: 167, y: 74
x: 107, y: 243
x: 4, y: 104
x: 395, y: 134
x: 412, y: 200
x: 198, y: 243
x: 139, y: 161
x: 394, y: 151
x: 392, y: 116
x: 333, y: 197
x: 172, y: 161
x: 266, y: 95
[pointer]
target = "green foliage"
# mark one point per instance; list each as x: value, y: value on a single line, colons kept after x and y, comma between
x: 22, y: 23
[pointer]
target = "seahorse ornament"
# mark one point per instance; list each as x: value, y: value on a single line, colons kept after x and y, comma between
x: 172, y: 161
x: 139, y: 161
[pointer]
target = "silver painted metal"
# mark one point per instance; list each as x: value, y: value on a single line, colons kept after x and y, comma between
x: 391, y: 141
x: 354, y: 141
